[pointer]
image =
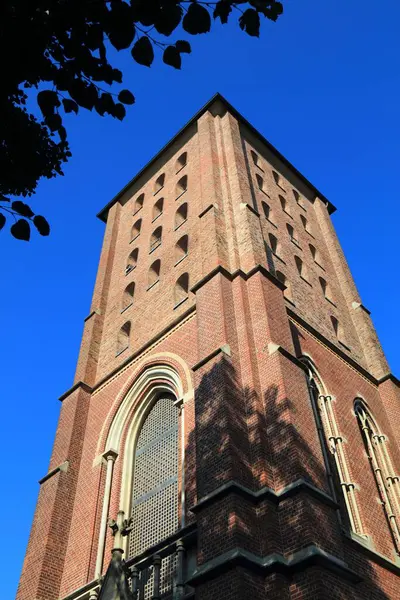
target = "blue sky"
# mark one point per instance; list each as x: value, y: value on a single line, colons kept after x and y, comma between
x: 322, y: 85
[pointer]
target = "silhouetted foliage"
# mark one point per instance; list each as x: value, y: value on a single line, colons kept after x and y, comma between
x: 63, y: 46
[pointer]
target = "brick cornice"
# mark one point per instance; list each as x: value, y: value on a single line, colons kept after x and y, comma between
x: 302, y: 559
x: 265, y: 493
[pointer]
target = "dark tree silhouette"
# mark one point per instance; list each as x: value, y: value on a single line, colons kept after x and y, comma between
x: 62, y: 46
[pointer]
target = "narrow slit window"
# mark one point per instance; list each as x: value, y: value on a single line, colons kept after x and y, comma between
x: 181, y: 215
x: 274, y: 244
x: 338, y: 329
x: 301, y: 268
x: 154, y: 273
x: 260, y: 183
x: 127, y: 298
x: 158, y: 208
x: 268, y: 213
x: 284, y: 205
x: 181, y: 186
x: 181, y: 291
x: 299, y: 199
x: 132, y: 261
x: 181, y: 248
x: 283, y: 279
x: 138, y: 203
x: 255, y: 158
x: 155, y: 239
x: 181, y: 161
x: 315, y: 254
x: 123, y: 339
x: 135, y: 231
x: 292, y: 233
x: 159, y: 184
x: 306, y: 224
x: 326, y: 290
x: 277, y: 178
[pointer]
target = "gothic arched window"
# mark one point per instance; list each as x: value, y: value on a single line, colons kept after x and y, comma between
x: 386, y: 480
x: 331, y: 440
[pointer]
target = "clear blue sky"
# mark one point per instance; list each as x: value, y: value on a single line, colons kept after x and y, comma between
x: 322, y: 85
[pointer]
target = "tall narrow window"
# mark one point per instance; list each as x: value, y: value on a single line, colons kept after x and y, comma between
x: 155, y: 498
x: 127, y: 298
x: 292, y: 234
x: 306, y: 224
x: 155, y: 239
x: 181, y: 291
x: 386, y: 480
x: 181, y: 162
x: 274, y: 244
x: 181, y: 248
x: 301, y: 268
x: 326, y: 290
x: 277, y: 178
x: 268, y: 213
x: 181, y: 215
x: 337, y: 328
x: 315, y: 254
x: 332, y: 445
x: 138, y: 203
x: 260, y: 183
x: 135, y: 231
x: 158, y: 208
x: 181, y: 186
x: 123, y: 337
x: 159, y: 184
x: 299, y: 199
x: 255, y: 158
x: 283, y: 279
x: 284, y: 205
x: 154, y: 273
x: 132, y: 261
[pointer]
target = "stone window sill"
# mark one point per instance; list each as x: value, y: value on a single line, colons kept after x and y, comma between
x: 306, y: 280
x: 320, y: 266
x: 127, y: 271
x: 288, y: 213
x: 264, y: 192
x: 330, y: 301
x: 180, y: 260
x: 180, y: 195
x: 180, y: 169
x: 258, y: 167
x: 296, y: 243
x: 159, y: 190
x: 279, y: 258
x: 137, y: 210
x: 181, y: 302
x: 154, y: 247
x: 272, y: 223
x: 180, y: 225
x: 155, y: 218
x: 126, y: 307
x: 121, y: 351
x: 153, y: 284
x: 134, y: 238
x: 345, y: 346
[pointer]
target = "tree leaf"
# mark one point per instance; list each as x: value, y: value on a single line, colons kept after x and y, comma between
x: 222, y: 10
x: 143, y: 52
x: 172, y: 57
x: 121, y: 30
x: 183, y: 46
x: 119, y: 111
x: 53, y: 122
x: 21, y: 230
x: 41, y: 225
x: 2, y: 221
x: 47, y: 101
x: 250, y: 22
x: 273, y: 11
x: 22, y: 209
x: 126, y: 97
x: 70, y: 105
x: 197, y: 19
x: 168, y: 19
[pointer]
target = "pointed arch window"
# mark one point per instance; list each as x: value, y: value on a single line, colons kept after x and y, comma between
x: 132, y: 261
x: 158, y: 208
x: 326, y: 289
x: 261, y: 183
x: 306, y: 224
x: 154, y: 273
x: 387, y: 481
x: 256, y: 159
x: 159, y: 183
x: 299, y: 199
x: 274, y: 244
x: 127, y: 298
x: 181, y: 161
x: 292, y: 234
x: 155, y: 488
x: 316, y: 255
x: 285, y: 205
x: 135, y: 231
x: 332, y: 445
x: 181, y: 248
x: 301, y: 268
x: 138, y: 203
x: 123, y: 339
x: 181, y: 292
x: 155, y: 239
x: 181, y: 186
x: 283, y: 279
x: 181, y: 215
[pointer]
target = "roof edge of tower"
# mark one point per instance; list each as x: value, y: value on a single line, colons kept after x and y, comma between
x: 102, y: 215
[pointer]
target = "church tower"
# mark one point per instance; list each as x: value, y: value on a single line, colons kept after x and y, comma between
x: 233, y: 427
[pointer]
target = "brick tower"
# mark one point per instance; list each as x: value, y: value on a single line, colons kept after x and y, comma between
x: 232, y: 411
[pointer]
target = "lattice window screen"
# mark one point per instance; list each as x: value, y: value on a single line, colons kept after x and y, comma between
x: 155, y: 478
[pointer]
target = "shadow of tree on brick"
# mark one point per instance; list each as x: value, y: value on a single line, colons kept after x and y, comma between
x: 253, y: 441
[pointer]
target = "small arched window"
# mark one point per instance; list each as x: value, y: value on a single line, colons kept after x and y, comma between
x: 274, y: 244
x: 306, y: 224
x: 332, y: 446
x: 181, y: 186
x: 292, y: 234
x: 181, y: 215
x: 255, y: 158
x: 338, y: 329
x: 284, y: 205
x: 299, y: 199
x: 127, y: 298
x: 138, y: 203
x: 181, y: 291
x: 124, y: 337
x: 326, y: 290
x: 387, y: 481
x: 301, y: 268
x: 181, y: 248
x: 283, y: 279
x: 154, y: 273
x: 181, y: 162
x: 277, y: 178
x: 315, y: 254
x: 158, y: 208
x: 155, y: 239
x: 260, y: 183
x: 159, y: 184
x: 135, y: 231
x: 132, y: 261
